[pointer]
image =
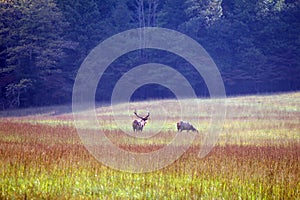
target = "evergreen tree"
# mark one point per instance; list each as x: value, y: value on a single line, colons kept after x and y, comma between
x: 34, y: 46
x: 172, y: 14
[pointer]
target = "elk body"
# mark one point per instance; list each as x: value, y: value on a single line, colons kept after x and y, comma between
x: 138, y: 124
x: 182, y: 125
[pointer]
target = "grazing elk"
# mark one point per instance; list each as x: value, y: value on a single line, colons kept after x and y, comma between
x: 138, y: 124
x: 185, y: 126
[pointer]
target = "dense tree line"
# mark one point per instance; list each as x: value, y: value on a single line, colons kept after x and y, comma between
x: 255, y: 44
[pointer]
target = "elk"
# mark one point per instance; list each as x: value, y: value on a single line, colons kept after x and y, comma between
x: 182, y: 125
x: 138, y: 124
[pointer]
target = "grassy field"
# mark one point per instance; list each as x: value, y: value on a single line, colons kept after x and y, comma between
x: 257, y: 155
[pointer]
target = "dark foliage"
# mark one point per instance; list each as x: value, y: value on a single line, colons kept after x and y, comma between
x: 255, y: 44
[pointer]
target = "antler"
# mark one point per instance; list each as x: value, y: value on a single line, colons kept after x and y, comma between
x: 143, y: 118
x: 137, y: 115
x: 148, y: 115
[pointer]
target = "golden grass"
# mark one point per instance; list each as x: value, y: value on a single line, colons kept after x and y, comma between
x: 257, y: 155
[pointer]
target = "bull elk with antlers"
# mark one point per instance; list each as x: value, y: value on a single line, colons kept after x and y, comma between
x: 138, y: 124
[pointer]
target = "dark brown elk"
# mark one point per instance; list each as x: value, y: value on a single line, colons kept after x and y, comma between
x: 138, y: 124
x: 182, y: 125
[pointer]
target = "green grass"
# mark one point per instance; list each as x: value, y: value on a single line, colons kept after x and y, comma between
x: 257, y: 155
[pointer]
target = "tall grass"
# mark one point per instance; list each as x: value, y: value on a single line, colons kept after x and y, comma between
x: 257, y: 156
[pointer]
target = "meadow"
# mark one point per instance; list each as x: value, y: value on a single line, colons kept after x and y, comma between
x: 257, y: 155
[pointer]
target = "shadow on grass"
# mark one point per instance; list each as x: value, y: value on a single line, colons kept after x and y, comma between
x: 42, y: 111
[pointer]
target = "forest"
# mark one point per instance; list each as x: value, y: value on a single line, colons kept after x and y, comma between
x: 255, y: 45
